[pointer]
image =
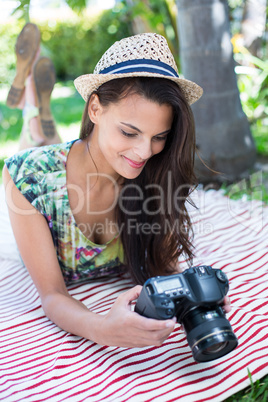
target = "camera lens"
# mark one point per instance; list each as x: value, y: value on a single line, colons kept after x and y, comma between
x: 215, y: 348
x: 209, y: 333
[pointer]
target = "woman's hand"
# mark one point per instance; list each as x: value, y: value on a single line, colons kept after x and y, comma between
x: 227, y: 304
x: 123, y: 327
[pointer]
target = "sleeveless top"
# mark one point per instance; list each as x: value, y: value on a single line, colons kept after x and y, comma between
x: 40, y: 175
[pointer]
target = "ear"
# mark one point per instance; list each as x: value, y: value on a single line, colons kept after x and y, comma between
x: 94, y: 108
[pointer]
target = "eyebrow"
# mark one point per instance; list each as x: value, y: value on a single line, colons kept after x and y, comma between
x: 139, y: 131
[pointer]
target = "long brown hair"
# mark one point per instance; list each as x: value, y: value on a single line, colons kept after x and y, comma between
x: 154, y: 237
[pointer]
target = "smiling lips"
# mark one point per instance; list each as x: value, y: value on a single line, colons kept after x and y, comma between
x: 134, y: 164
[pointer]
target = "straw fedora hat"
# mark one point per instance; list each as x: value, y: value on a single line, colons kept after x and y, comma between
x: 143, y: 55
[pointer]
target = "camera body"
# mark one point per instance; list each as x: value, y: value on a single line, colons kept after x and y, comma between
x: 164, y: 297
x: 195, y: 297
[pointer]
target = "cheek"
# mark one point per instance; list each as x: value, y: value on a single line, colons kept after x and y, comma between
x: 157, y: 147
x: 111, y: 144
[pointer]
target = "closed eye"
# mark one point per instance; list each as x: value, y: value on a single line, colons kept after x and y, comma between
x: 157, y: 138
x: 160, y: 138
x: 128, y: 134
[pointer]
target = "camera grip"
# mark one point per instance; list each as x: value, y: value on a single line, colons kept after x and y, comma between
x: 159, y: 306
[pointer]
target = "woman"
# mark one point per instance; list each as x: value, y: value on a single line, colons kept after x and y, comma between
x: 114, y: 200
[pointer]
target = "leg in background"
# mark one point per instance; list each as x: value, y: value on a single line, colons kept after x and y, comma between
x: 31, y: 90
x: 38, y: 128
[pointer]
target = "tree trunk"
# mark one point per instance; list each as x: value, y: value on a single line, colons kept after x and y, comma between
x: 224, y: 139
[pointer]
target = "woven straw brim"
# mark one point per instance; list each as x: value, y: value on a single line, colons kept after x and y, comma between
x: 88, y: 83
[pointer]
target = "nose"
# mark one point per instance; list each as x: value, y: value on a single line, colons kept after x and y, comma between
x: 144, y: 150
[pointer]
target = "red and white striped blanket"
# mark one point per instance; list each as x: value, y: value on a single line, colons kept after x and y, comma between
x: 39, y: 361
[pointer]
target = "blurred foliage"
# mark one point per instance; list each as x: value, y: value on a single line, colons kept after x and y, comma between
x: 62, y: 39
x: 252, y: 74
x: 235, y: 3
x: 235, y: 12
x: 77, y: 5
x: 74, y: 46
x: 8, y: 35
x: 22, y: 10
x: 10, y: 123
x: 252, y: 78
x: 253, y: 188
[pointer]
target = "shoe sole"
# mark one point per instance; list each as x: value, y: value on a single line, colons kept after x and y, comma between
x: 26, y: 47
x: 44, y: 80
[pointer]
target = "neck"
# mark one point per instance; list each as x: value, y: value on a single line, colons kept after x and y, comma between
x: 99, y: 173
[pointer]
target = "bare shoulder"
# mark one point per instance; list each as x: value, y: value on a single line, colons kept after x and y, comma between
x: 16, y: 202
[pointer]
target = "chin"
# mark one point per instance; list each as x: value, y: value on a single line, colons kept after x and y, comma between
x: 131, y: 175
x: 128, y: 172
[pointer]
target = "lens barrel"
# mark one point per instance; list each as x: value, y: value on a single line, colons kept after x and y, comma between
x: 209, y: 333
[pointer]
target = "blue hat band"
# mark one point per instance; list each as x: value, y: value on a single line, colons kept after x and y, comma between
x: 140, y: 66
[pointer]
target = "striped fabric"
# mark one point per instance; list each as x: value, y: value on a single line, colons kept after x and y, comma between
x: 39, y: 361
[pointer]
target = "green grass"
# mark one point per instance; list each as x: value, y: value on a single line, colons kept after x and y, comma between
x: 257, y: 392
x: 67, y: 107
x: 255, y: 187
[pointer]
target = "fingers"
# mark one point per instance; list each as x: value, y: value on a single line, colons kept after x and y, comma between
x: 150, y: 332
x: 138, y: 321
x: 150, y: 324
x: 129, y: 329
x: 156, y: 338
x: 130, y: 295
x: 227, y: 304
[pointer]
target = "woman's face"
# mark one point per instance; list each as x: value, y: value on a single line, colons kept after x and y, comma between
x: 128, y: 133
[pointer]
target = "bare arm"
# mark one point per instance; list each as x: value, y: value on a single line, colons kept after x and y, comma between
x: 120, y: 327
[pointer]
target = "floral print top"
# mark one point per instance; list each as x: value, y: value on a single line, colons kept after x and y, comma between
x: 40, y: 175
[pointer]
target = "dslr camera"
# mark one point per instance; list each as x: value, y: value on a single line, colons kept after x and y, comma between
x: 195, y: 297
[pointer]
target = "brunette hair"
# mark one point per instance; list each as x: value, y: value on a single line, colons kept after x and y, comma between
x: 154, y: 239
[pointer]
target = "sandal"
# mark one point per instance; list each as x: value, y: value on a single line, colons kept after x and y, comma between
x: 26, y: 48
x: 44, y: 79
